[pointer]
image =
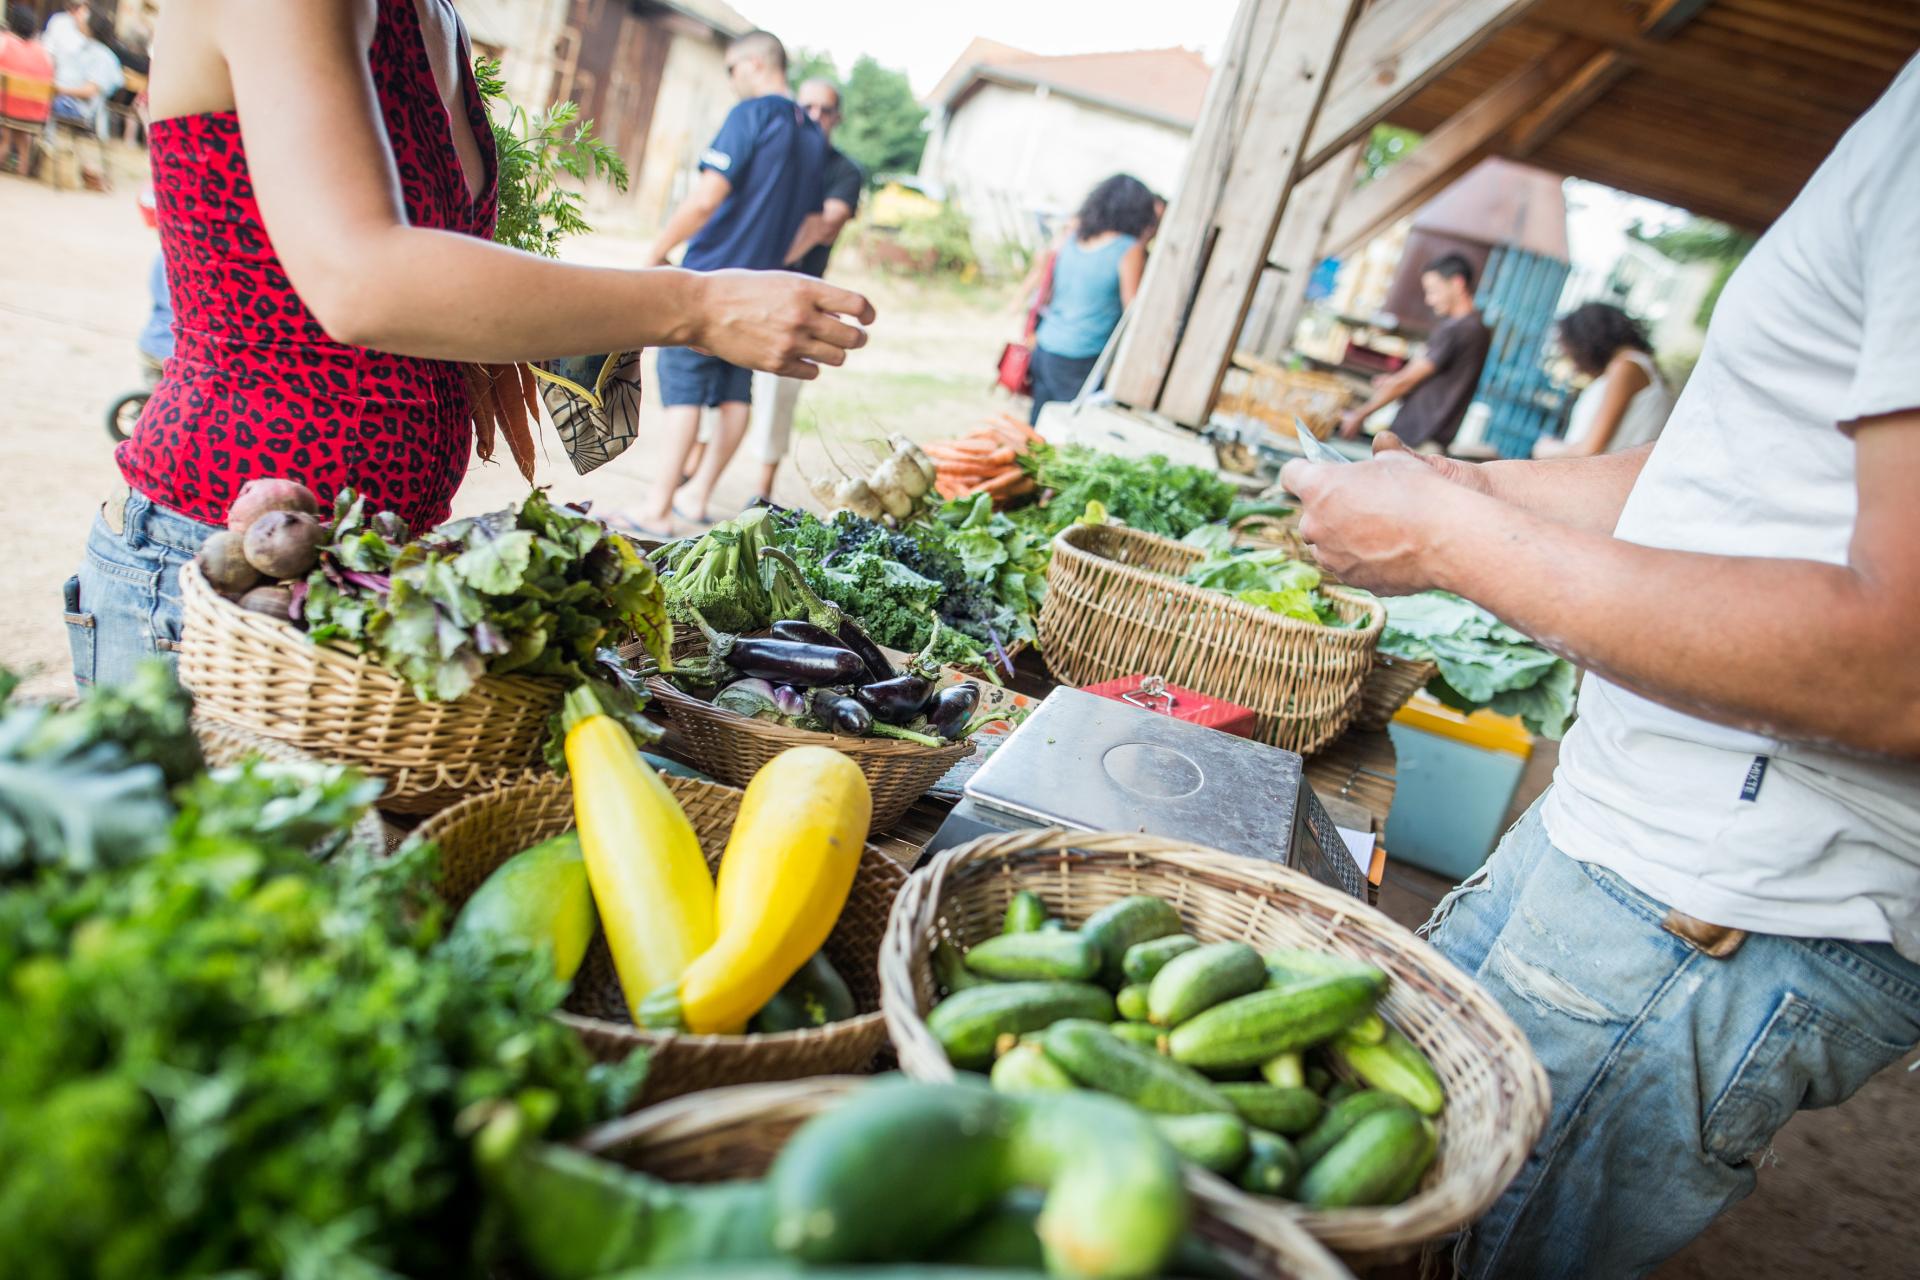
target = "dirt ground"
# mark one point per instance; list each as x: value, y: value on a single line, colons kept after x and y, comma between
x: 1837, y: 1197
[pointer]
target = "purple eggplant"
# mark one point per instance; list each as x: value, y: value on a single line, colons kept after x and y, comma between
x: 791, y: 662
x: 839, y: 713
x: 806, y: 633
x: 896, y: 701
x: 829, y: 617
x: 950, y: 709
x: 857, y: 640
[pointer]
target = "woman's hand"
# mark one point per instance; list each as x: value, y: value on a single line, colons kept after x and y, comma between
x: 778, y: 321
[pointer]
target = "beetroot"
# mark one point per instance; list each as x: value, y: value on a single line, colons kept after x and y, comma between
x: 223, y: 559
x: 258, y: 497
x: 274, y: 601
x: 285, y: 544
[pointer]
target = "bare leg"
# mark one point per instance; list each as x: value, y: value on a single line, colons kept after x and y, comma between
x: 727, y: 435
x: 682, y: 424
x: 765, y: 490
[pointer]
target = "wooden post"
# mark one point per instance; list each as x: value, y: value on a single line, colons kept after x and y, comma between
x: 1298, y: 247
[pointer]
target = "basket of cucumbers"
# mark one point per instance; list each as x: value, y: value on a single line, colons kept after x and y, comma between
x: 885, y: 1173
x: 1316, y: 1063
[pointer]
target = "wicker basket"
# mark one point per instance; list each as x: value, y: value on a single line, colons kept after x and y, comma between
x: 266, y: 676
x: 1496, y: 1091
x: 735, y: 1133
x: 1112, y: 609
x: 480, y: 833
x: 1274, y: 394
x: 1388, y: 687
x: 733, y: 747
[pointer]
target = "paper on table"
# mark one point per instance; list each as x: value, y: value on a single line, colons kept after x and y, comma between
x: 1359, y: 848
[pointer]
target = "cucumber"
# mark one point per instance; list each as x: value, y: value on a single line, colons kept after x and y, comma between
x: 1372, y: 1161
x: 1143, y: 1034
x: 1035, y: 957
x: 1098, y: 1059
x: 1340, y: 1119
x: 796, y: 1271
x: 968, y: 1023
x: 1372, y: 1029
x: 1119, y: 925
x: 950, y: 972
x: 1201, y: 978
x: 1285, y: 1071
x: 1396, y: 1066
x: 1053, y: 924
x: 1006, y: 1237
x: 1410, y: 1181
x: 1132, y: 1002
x: 1026, y: 1069
x: 1247, y: 1031
x: 1280, y: 1110
x: 1294, y: 965
x: 1340, y: 1089
x: 1214, y: 1142
x: 1144, y: 959
x: 813, y: 997
x: 1319, y: 1079
x: 1025, y: 914
x: 1272, y: 1165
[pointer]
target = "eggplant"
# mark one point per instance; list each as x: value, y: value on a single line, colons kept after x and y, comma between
x: 829, y: 617
x: 948, y: 713
x: 861, y: 643
x: 840, y: 714
x: 896, y: 701
x: 806, y: 633
x: 793, y: 662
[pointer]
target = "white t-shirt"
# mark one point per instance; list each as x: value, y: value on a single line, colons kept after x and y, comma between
x: 1820, y: 326
x: 1640, y: 421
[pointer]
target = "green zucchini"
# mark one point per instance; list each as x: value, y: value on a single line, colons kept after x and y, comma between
x: 1119, y: 925
x: 1270, y: 1107
x: 1286, y: 967
x: 1272, y: 1166
x: 1340, y: 1119
x: 1025, y: 1068
x: 1202, y: 978
x: 1144, y: 959
x: 968, y: 1023
x: 1247, y: 1031
x: 1025, y: 914
x: 813, y: 997
x: 1285, y: 1071
x: 1371, y: 1162
x: 1035, y: 957
x: 1397, y: 1066
x: 1214, y: 1141
x: 1098, y: 1059
x: 1143, y: 1034
x: 1132, y: 1002
x: 950, y: 972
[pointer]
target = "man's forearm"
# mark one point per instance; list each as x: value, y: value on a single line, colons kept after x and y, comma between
x: 1586, y: 493
x: 1789, y: 648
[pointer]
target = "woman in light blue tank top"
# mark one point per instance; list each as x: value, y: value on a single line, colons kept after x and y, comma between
x: 1095, y: 275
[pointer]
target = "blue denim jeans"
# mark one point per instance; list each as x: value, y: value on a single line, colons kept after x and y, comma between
x: 1671, y: 1070
x: 124, y: 604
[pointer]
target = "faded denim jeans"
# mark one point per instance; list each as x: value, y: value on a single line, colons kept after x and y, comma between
x: 1671, y: 1070
x: 124, y: 604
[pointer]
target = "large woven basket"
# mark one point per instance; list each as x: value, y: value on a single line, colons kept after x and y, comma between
x: 733, y: 747
x: 266, y: 676
x: 735, y: 1133
x: 1390, y: 686
x: 1496, y: 1091
x: 1114, y: 608
x: 478, y: 834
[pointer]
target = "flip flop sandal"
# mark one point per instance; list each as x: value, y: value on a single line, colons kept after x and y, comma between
x: 698, y: 522
x: 635, y: 529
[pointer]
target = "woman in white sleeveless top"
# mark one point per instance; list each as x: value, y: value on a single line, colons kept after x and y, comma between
x: 1627, y: 401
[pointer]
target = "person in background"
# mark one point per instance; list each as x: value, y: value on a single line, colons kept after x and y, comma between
x: 1711, y: 920
x: 770, y: 427
x: 24, y: 57
x: 759, y: 182
x: 156, y: 335
x: 86, y: 75
x: 1437, y: 385
x: 1627, y: 401
x: 69, y: 29
x: 1096, y: 273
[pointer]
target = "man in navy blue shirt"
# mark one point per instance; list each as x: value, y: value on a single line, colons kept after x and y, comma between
x: 758, y: 186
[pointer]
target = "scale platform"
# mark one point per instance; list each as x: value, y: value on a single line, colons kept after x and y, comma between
x: 1090, y: 763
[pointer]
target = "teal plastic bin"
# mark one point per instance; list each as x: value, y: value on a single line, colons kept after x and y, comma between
x: 1456, y: 778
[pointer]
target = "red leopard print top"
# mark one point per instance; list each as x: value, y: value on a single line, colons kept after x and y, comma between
x: 255, y: 387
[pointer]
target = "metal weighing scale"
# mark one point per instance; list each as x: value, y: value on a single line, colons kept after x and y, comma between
x: 1090, y: 763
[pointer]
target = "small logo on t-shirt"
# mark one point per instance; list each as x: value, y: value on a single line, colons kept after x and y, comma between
x: 718, y: 159
x: 1756, y: 774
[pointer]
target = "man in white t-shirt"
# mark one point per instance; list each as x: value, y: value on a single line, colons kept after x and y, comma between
x: 1713, y: 917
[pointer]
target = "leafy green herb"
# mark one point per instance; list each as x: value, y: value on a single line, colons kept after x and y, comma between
x: 1151, y: 494
x: 1483, y: 662
x: 535, y: 153
x: 1270, y: 579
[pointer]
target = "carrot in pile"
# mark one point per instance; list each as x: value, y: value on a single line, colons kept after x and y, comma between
x: 986, y: 460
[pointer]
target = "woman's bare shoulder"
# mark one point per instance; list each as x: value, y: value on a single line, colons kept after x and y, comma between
x: 194, y: 41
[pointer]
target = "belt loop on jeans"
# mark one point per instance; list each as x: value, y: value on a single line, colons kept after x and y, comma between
x: 114, y: 510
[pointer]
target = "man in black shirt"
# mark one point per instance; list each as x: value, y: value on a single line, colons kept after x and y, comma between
x: 774, y: 397
x: 1438, y: 384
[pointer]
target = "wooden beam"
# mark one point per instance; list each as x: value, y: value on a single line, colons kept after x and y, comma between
x: 1585, y: 87
x: 1664, y: 18
x: 1286, y: 103
x: 1297, y: 249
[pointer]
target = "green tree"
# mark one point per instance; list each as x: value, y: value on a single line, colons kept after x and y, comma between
x: 1702, y: 240
x: 1387, y: 145
x: 882, y: 126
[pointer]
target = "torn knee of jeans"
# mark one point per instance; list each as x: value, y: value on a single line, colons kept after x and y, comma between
x: 1546, y: 990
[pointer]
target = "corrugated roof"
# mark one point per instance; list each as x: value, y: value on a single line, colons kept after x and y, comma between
x: 1158, y: 84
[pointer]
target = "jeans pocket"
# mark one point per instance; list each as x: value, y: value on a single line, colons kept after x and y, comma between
x: 80, y: 634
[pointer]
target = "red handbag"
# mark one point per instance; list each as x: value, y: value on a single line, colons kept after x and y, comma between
x: 1016, y: 358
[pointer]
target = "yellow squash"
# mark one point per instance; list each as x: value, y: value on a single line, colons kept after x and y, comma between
x: 784, y: 878
x: 650, y: 881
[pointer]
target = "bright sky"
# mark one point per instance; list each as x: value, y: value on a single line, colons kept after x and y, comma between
x: 922, y: 37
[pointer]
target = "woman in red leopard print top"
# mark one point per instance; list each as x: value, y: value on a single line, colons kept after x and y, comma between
x: 326, y: 190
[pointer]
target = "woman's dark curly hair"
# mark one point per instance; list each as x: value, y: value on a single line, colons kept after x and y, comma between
x: 1591, y: 335
x: 1121, y: 203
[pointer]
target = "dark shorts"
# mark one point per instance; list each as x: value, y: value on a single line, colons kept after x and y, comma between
x: 1057, y: 377
x: 687, y: 377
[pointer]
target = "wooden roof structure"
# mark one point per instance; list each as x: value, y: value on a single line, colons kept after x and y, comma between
x: 1722, y: 107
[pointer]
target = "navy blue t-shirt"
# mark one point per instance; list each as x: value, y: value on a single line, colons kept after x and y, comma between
x: 776, y: 160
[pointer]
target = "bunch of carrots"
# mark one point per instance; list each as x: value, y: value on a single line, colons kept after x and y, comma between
x: 985, y: 461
